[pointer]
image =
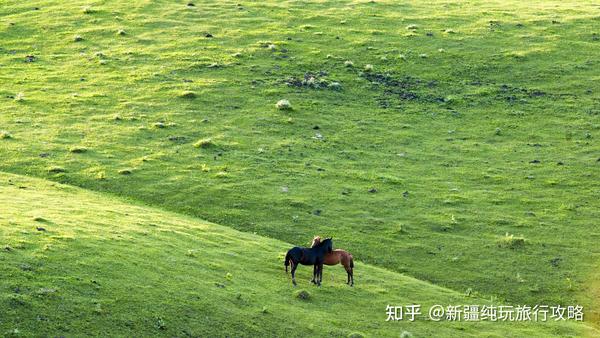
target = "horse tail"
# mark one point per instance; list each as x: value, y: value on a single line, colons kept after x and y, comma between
x: 351, y: 262
x: 287, y: 261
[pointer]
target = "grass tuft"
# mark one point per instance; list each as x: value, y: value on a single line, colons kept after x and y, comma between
x: 356, y: 335
x: 204, y: 143
x: 511, y: 241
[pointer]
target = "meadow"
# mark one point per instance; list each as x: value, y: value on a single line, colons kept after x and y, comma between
x: 452, y: 147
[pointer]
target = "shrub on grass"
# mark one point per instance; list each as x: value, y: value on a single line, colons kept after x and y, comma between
x: 5, y: 135
x: 204, y: 143
x: 406, y: 334
x: 188, y: 94
x: 88, y: 10
x: 302, y: 294
x: 335, y: 86
x: 125, y: 172
x: 56, y: 170
x: 78, y: 149
x: 283, y: 105
x: 160, y: 324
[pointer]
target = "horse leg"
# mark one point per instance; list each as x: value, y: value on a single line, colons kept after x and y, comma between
x: 294, y: 266
x: 352, y: 271
x: 348, y: 272
x: 314, y: 274
x: 320, y: 273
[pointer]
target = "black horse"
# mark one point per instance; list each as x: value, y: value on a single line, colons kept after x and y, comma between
x: 309, y: 256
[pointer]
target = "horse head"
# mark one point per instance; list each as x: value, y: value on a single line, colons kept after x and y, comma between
x: 328, y: 244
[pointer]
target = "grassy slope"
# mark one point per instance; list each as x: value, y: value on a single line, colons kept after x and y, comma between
x: 104, y: 267
x: 528, y: 69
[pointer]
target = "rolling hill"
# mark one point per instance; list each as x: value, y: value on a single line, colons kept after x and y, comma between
x: 76, y: 263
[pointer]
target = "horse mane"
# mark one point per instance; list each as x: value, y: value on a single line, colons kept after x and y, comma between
x: 316, y: 241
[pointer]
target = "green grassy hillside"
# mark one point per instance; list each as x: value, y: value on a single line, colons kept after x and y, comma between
x: 454, y: 142
x: 76, y: 263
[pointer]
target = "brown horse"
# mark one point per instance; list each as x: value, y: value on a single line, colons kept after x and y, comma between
x: 338, y: 256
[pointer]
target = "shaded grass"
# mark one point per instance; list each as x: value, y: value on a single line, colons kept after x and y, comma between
x: 120, y: 269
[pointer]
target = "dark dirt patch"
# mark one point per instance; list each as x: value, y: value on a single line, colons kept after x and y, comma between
x: 313, y: 80
x: 400, y: 89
